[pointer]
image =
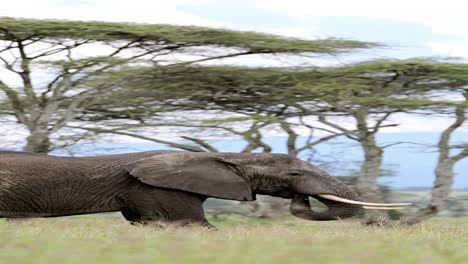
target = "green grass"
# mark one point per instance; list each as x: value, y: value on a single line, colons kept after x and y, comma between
x: 97, y: 239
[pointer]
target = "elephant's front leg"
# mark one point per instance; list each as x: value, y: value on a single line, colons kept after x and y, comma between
x: 163, y: 208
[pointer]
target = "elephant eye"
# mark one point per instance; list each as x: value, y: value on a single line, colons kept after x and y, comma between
x: 294, y: 173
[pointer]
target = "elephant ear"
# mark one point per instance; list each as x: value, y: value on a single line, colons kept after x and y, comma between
x: 193, y: 172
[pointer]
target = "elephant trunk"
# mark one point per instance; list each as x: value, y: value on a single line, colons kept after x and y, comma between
x: 300, y: 206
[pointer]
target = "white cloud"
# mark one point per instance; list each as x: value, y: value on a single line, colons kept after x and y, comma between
x: 452, y: 49
x: 447, y: 16
x: 309, y: 30
x: 139, y: 11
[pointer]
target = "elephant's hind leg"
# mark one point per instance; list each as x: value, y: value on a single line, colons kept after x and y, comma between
x: 136, y: 219
x: 164, y: 208
x: 131, y: 216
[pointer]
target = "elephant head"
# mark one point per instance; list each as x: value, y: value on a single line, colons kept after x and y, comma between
x: 240, y: 176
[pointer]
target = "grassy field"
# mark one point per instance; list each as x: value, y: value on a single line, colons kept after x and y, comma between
x: 97, y: 239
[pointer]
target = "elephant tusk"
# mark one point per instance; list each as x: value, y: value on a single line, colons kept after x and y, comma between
x: 382, y: 208
x: 343, y: 200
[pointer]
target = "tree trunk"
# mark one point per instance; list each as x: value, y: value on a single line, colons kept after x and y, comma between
x: 442, y: 184
x: 38, y: 141
x: 440, y: 193
x: 367, y: 185
x: 444, y: 173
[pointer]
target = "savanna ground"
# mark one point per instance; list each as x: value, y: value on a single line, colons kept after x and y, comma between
x: 104, y: 239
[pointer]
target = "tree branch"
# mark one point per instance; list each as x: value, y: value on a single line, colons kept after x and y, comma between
x: 292, y: 138
x: 321, y: 140
x: 172, y: 144
x: 10, y: 66
x: 202, y: 143
x: 213, y: 58
x: 443, y: 144
x: 377, y: 126
x: 347, y: 133
x: 16, y: 103
x: 463, y: 154
x: 26, y: 73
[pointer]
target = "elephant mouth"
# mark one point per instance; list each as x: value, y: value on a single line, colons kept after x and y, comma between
x: 341, y: 201
x: 338, y: 207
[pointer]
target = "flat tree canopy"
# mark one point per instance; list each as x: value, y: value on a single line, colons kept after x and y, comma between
x: 26, y: 29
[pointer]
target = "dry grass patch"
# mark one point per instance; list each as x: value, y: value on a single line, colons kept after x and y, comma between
x: 97, y: 239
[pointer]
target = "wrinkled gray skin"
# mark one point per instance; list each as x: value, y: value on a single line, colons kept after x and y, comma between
x: 160, y: 187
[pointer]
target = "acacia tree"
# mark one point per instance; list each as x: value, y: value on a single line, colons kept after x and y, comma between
x: 444, y: 170
x: 455, y: 79
x: 369, y: 93
x: 72, y: 56
x: 422, y: 82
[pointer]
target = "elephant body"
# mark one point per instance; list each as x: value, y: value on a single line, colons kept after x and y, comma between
x: 36, y: 185
x: 159, y: 187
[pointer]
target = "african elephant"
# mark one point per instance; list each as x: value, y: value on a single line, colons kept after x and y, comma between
x: 164, y: 187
